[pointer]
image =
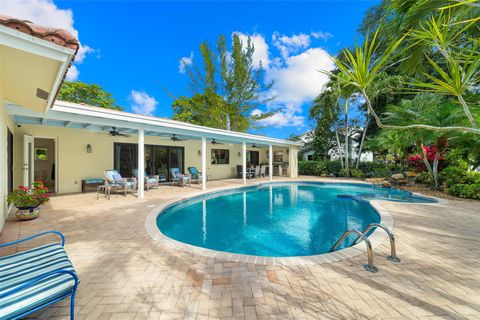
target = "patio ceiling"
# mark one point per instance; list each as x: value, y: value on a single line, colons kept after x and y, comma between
x: 77, y: 116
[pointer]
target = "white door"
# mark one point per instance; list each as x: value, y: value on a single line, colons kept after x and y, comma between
x: 28, y: 160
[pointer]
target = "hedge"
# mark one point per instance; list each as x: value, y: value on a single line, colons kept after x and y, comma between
x: 318, y: 168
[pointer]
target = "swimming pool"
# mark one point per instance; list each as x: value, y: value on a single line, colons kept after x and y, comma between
x: 276, y: 220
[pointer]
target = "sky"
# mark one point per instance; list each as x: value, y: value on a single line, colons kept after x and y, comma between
x: 137, y: 49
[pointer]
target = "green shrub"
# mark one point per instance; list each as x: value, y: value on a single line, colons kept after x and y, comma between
x: 356, y: 173
x: 424, y: 177
x: 451, y: 176
x: 374, y: 169
x: 311, y: 168
x: 333, y: 167
x: 469, y: 191
x: 306, y: 168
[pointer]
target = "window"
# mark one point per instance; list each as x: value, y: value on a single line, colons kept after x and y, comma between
x: 41, y: 153
x: 220, y: 156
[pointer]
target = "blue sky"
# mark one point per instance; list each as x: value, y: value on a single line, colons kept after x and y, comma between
x: 134, y: 49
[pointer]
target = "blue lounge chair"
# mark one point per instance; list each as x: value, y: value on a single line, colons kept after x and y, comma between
x: 124, y: 184
x: 151, y: 181
x: 33, y: 279
x: 178, y: 177
x: 195, y: 174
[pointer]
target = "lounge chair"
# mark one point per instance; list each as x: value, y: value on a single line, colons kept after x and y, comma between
x: 257, y: 172
x: 178, y: 177
x: 36, y: 278
x: 262, y: 171
x: 124, y: 184
x: 239, y: 171
x: 151, y: 181
x: 195, y: 174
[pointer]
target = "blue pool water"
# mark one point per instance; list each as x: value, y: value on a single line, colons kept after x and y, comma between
x: 294, y: 219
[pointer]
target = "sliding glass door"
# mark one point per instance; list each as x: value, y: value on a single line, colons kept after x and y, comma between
x: 160, y: 165
x: 253, y: 158
x: 125, y: 158
x: 158, y: 159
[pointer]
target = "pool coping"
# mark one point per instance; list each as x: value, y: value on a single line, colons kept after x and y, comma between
x: 376, y: 238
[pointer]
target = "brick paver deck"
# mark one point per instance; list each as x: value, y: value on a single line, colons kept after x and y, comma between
x: 126, y: 275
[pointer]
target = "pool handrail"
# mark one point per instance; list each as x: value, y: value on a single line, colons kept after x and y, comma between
x: 393, y: 250
x: 369, y: 267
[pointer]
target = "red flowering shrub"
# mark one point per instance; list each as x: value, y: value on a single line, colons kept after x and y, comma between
x: 416, y: 161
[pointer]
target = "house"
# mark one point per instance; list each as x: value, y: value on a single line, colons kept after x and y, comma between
x: 306, y: 150
x: 62, y: 143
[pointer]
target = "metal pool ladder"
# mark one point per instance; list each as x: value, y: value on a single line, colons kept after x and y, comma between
x: 393, y: 251
x: 362, y: 235
x: 369, y: 267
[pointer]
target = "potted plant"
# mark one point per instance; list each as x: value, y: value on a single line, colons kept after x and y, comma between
x: 28, y: 200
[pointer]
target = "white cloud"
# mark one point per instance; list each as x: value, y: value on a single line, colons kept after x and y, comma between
x: 82, y: 52
x: 46, y: 13
x: 261, y: 53
x: 299, y: 80
x: 288, y: 45
x: 184, y: 62
x: 142, y: 103
x: 322, y: 35
x: 284, y: 118
x: 72, y: 73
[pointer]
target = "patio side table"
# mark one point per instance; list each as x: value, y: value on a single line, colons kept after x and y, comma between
x: 106, y: 189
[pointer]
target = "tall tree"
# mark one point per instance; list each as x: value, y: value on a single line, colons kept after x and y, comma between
x: 89, y: 94
x: 231, y: 80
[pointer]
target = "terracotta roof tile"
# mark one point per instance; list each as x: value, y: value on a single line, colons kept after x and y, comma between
x: 57, y: 36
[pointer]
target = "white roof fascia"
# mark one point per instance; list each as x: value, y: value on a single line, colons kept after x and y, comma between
x: 136, y: 121
x: 25, y: 42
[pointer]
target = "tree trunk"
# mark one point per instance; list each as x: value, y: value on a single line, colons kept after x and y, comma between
x: 435, y: 166
x: 364, y: 133
x: 339, y: 149
x: 346, y: 138
x: 427, y: 164
x: 228, y: 122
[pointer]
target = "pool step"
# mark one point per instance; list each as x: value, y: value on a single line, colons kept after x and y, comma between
x: 362, y: 235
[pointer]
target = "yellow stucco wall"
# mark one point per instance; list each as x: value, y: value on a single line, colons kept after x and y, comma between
x: 6, y: 123
x: 75, y: 164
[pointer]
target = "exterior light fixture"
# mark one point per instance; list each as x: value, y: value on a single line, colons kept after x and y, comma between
x: 239, y: 153
x: 89, y: 148
x: 199, y: 152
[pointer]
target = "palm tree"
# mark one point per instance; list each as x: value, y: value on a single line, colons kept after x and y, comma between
x: 363, y: 67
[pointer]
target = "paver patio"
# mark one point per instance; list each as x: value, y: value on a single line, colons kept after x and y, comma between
x: 126, y: 275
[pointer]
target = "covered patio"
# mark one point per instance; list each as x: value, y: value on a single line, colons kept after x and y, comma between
x: 85, y: 146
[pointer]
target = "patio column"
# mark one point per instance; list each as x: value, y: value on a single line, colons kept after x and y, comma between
x: 204, y: 163
x: 270, y: 162
x: 244, y: 162
x: 141, y: 164
x: 293, y: 162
